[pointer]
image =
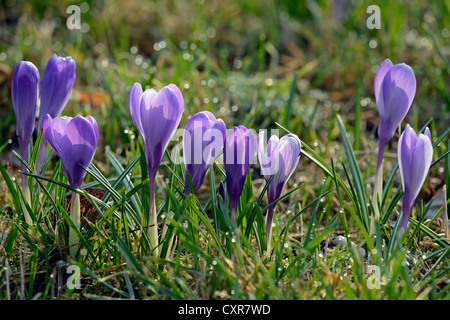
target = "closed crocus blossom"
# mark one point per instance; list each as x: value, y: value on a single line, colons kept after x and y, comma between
x: 25, y: 95
x: 239, y: 150
x: 56, y: 86
x: 279, y: 159
x: 395, y: 87
x: 156, y: 116
x: 415, y: 153
x: 74, y: 140
x: 203, y: 138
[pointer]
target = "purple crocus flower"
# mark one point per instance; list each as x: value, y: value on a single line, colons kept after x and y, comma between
x: 25, y: 96
x: 280, y: 160
x: 415, y: 153
x: 156, y: 116
x: 395, y: 87
x: 203, y: 138
x: 56, y: 86
x: 74, y: 140
x: 239, y: 150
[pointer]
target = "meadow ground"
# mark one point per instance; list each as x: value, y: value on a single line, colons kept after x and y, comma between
x: 305, y: 67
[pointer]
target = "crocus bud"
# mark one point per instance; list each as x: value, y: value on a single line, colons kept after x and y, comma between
x: 239, y: 150
x: 74, y: 140
x: 203, y: 138
x: 395, y: 87
x: 280, y: 160
x: 25, y: 96
x: 156, y: 116
x: 415, y: 153
x: 57, y: 83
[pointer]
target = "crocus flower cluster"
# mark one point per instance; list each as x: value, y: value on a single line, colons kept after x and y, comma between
x: 73, y: 139
x: 57, y: 82
x: 157, y: 115
x: 55, y: 89
x: 394, y: 87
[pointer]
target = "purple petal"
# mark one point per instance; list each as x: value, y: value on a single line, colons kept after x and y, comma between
x: 54, y: 130
x: 57, y: 83
x: 95, y: 127
x: 428, y: 134
x: 268, y: 159
x: 379, y: 77
x: 420, y: 164
x: 134, y: 98
x: 177, y: 92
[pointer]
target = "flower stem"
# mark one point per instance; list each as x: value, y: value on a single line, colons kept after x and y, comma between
x: 233, y: 209
x: 164, y: 234
x: 153, y: 219
x: 269, y: 219
x: 75, y: 217
x: 378, y: 187
x: 25, y: 188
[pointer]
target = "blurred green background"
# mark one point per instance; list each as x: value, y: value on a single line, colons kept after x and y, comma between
x: 249, y: 62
